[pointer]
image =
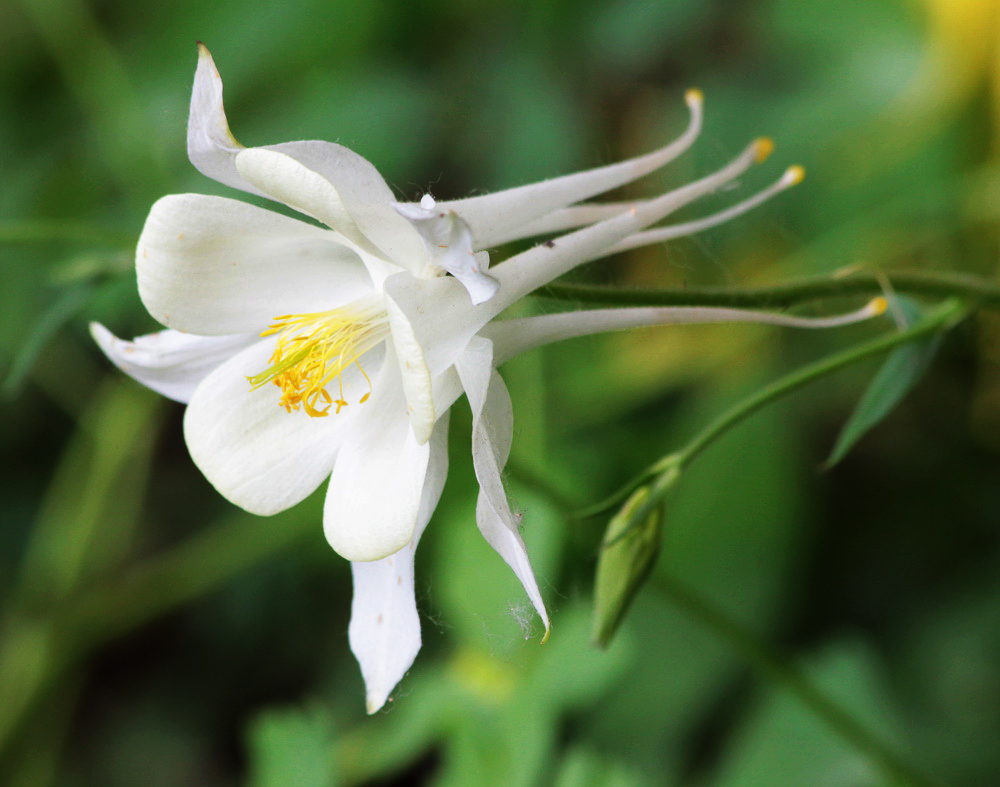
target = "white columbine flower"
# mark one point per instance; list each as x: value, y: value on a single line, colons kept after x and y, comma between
x: 308, y: 350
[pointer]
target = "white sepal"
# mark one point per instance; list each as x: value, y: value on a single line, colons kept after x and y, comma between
x: 373, y: 500
x: 169, y: 362
x: 492, y: 432
x: 211, y: 146
x: 216, y: 266
x: 385, y: 629
x: 258, y: 456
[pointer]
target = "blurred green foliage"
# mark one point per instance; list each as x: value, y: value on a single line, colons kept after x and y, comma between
x: 153, y: 635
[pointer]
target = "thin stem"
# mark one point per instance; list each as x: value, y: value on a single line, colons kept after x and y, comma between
x: 985, y: 292
x: 666, y: 469
x: 945, y: 315
x: 779, y: 669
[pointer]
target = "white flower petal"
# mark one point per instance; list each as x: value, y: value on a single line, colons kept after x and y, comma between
x: 211, y: 146
x: 415, y: 375
x: 170, y: 362
x: 257, y: 455
x: 439, y: 315
x: 385, y: 628
x: 289, y: 181
x: 536, y: 267
x: 492, y: 432
x: 449, y: 246
x: 366, y: 195
x: 572, y: 217
x: 444, y: 330
x: 373, y: 501
x: 791, y: 177
x: 495, y: 218
x: 214, y: 266
x: 339, y: 188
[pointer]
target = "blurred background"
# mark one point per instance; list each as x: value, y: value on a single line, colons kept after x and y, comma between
x: 153, y: 634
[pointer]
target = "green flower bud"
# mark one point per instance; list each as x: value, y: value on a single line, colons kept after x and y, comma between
x: 628, y: 552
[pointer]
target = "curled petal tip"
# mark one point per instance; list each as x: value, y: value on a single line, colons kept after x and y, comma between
x: 545, y: 636
x: 878, y: 306
x: 794, y: 175
x: 694, y: 97
x: 764, y: 146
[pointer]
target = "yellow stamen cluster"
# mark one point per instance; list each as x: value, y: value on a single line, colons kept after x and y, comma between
x: 313, y: 350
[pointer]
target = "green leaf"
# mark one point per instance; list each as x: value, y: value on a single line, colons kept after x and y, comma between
x: 55, y: 317
x: 781, y: 742
x: 901, y: 371
x: 292, y: 748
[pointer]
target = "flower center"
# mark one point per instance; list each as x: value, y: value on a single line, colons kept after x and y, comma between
x: 313, y: 350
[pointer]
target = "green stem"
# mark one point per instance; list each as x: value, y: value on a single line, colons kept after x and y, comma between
x: 939, y: 285
x: 784, y: 673
x: 666, y: 470
x: 945, y: 315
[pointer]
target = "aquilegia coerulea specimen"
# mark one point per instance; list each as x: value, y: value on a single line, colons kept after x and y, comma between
x: 306, y: 352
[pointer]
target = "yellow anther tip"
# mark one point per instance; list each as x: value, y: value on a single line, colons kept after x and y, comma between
x: 794, y: 175
x: 878, y: 306
x: 694, y: 96
x: 764, y: 147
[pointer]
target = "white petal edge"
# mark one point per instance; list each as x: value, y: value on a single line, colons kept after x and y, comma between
x: 211, y: 146
x: 170, y: 362
x: 492, y: 433
x: 373, y: 500
x: 215, y: 266
x: 385, y: 627
x: 255, y: 454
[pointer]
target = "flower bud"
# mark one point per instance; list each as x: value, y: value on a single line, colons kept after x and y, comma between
x: 628, y: 553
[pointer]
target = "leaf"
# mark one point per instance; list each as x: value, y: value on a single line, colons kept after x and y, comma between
x: 55, y: 317
x: 901, y: 371
x: 292, y: 748
x: 781, y: 742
